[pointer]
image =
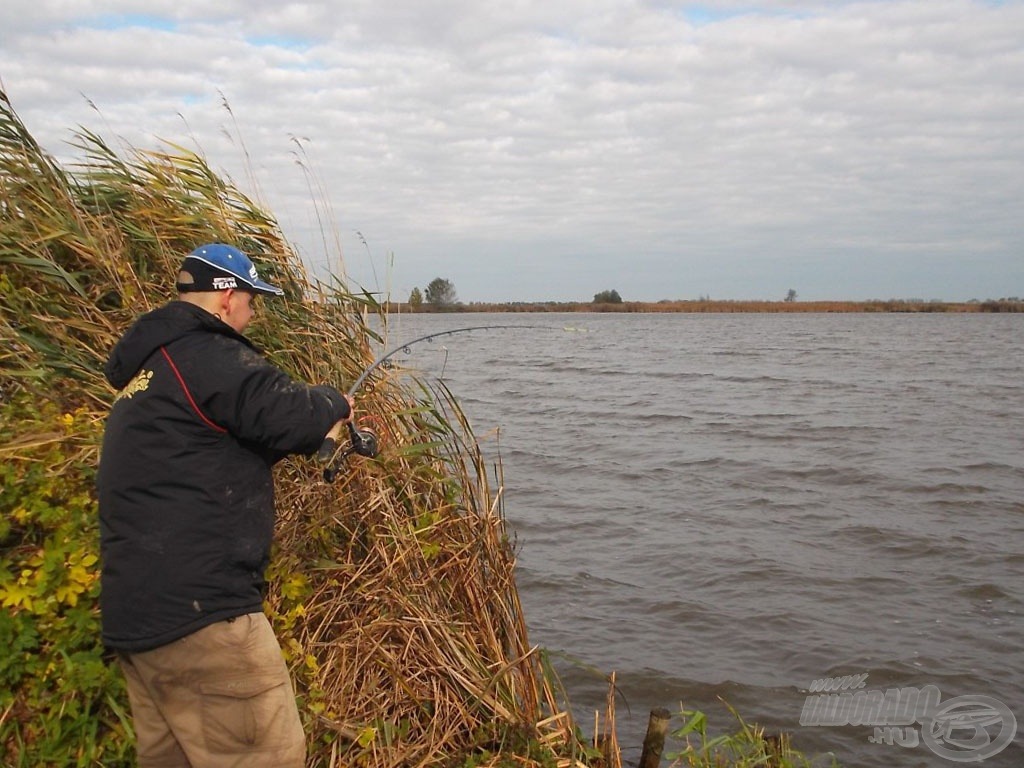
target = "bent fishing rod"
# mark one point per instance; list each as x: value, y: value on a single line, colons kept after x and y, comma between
x: 363, y: 442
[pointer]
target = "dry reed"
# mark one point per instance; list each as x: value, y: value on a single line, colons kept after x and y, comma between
x: 393, y: 589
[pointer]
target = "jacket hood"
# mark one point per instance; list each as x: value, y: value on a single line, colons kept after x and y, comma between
x: 156, y: 329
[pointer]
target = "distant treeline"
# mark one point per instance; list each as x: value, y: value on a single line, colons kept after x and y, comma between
x: 706, y: 305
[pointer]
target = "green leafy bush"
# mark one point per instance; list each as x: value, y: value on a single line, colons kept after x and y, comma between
x: 62, y: 702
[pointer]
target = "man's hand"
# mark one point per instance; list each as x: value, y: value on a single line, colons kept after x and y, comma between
x: 330, y: 442
x: 338, y: 428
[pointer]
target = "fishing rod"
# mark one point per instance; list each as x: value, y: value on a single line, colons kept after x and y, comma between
x: 363, y: 441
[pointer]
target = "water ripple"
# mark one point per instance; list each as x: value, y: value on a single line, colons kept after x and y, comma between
x: 736, y: 505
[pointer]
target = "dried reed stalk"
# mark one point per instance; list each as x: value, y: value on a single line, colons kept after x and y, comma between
x: 393, y: 590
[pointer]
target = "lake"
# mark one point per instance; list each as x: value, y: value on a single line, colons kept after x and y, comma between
x: 736, y: 505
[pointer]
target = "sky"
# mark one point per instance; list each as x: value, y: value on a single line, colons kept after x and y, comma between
x: 546, y: 150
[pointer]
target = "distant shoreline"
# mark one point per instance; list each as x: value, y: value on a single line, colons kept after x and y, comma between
x: 707, y: 306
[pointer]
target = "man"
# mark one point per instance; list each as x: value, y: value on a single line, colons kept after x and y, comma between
x: 186, y: 504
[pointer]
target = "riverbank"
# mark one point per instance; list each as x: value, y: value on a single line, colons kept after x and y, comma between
x: 708, y: 306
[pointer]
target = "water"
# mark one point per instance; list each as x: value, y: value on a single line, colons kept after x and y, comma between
x: 736, y: 505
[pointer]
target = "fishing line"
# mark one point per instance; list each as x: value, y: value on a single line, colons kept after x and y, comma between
x: 364, y: 441
x: 405, y: 348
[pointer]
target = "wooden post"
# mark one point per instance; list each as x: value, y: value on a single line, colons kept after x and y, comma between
x: 654, y: 741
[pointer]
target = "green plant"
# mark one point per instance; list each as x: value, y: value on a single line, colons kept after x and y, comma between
x: 61, y: 702
x: 749, y: 747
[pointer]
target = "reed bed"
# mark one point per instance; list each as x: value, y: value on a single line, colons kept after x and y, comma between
x: 392, y: 590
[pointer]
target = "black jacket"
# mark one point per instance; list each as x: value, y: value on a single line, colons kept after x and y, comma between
x: 186, y: 496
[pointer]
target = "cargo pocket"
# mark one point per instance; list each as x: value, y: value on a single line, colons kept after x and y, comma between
x: 245, y: 713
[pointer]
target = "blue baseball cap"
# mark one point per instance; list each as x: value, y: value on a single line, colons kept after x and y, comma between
x: 217, y: 267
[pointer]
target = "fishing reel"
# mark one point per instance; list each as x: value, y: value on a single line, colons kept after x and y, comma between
x: 363, y: 441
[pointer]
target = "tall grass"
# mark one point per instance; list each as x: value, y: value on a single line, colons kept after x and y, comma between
x: 392, y: 590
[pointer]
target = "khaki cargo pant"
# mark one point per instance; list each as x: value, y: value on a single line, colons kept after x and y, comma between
x: 219, y: 697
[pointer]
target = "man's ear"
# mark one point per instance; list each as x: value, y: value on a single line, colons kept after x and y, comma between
x: 224, y: 300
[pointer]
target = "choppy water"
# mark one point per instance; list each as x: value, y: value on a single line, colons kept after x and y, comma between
x: 736, y: 505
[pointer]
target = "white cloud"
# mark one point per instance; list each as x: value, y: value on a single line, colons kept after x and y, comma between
x: 519, y: 148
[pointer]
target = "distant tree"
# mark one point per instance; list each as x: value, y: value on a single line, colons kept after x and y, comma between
x: 440, y: 293
x: 791, y: 295
x: 416, y: 298
x: 607, y: 297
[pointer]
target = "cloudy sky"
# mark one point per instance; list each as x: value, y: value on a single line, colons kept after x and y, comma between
x: 551, y: 149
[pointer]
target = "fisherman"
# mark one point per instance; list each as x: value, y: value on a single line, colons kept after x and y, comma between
x: 186, y: 505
